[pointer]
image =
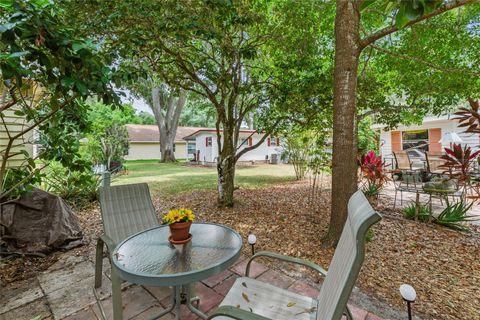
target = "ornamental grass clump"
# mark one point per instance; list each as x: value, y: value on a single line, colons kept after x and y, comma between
x: 410, y: 211
x: 178, y: 215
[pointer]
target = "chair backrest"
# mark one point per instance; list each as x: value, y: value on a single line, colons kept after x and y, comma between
x: 434, y: 162
x: 126, y: 210
x: 347, y: 260
x: 402, y: 160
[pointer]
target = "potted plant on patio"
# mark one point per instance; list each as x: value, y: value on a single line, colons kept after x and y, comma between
x: 179, y: 221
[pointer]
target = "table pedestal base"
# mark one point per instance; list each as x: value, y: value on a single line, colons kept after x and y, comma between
x: 180, y: 297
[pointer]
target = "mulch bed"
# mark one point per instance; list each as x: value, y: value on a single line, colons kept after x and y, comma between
x: 443, y: 265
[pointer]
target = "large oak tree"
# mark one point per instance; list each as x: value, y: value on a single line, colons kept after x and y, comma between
x: 349, y: 45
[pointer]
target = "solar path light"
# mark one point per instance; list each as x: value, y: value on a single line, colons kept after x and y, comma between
x: 408, y: 294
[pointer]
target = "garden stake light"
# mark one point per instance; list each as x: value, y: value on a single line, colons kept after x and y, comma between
x: 408, y: 294
x: 252, y: 240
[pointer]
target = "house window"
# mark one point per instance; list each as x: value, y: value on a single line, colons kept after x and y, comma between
x: 244, y: 142
x: 208, y: 141
x: 273, y: 141
x: 191, y: 148
x: 415, y: 139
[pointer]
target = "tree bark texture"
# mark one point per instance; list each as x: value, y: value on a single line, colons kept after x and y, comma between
x: 167, y: 109
x: 226, y: 170
x: 344, y: 177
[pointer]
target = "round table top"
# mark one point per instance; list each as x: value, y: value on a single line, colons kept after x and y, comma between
x: 148, y: 258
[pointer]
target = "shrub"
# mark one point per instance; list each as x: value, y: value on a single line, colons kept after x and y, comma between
x: 77, y: 188
x: 371, y: 166
x: 456, y: 215
x: 370, y: 190
x: 423, y: 212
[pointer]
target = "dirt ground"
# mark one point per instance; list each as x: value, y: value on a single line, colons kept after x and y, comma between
x: 443, y: 265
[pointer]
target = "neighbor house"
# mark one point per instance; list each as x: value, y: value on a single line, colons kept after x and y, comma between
x: 433, y: 135
x: 144, y: 142
x: 207, y: 147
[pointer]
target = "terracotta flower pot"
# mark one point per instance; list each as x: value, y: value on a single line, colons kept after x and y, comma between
x: 180, y: 231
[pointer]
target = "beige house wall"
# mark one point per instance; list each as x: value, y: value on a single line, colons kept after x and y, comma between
x: 14, y: 125
x: 151, y: 150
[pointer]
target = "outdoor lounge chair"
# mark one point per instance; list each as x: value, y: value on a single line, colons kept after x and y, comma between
x: 126, y: 210
x: 252, y: 299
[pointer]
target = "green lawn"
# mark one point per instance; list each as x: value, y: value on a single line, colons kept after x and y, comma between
x: 178, y: 177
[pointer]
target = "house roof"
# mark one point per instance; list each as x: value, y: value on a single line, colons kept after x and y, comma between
x: 150, y: 133
x: 200, y: 130
x: 427, y: 119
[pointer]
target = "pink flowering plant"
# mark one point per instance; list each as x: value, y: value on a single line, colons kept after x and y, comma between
x: 372, y: 169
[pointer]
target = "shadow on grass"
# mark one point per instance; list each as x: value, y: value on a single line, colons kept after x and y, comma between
x: 209, y: 182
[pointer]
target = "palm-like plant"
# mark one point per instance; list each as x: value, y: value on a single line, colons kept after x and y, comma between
x: 371, y: 166
x: 469, y: 117
x: 458, y: 161
x: 456, y: 215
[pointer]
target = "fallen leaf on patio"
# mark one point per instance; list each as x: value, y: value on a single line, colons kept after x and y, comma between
x: 244, y: 284
x: 245, y: 296
x: 291, y: 304
x: 307, y: 310
x: 251, y: 310
x: 238, y: 306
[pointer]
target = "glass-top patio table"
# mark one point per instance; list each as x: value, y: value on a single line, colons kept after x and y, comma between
x: 148, y: 258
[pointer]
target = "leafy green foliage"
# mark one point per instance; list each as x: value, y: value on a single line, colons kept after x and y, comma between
x: 389, y: 88
x: 371, y: 190
x: 423, y: 212
x: 45, y: 70
x: 306, y: 150
x: 456, y: 215
x: 77, y: 187
x: 143, y: 117
x: 107, y: 138
x: 13, y: 176
x: 367, y: 137
x: 198, y: 112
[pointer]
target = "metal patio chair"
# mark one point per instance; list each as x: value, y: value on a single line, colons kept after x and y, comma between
x: 434, y: 163
x: 251, y: 299
x: 402, y: 161
x: 126, y: 210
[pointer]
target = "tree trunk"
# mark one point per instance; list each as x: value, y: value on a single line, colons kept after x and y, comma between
x: 167, y: 109
x: 344, y: 179
x: 226, y: 170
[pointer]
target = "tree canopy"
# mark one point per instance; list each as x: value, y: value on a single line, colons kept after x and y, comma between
x: 46, y: 69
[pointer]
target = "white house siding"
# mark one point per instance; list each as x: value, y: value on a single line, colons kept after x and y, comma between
x: 208, y: 154
x: 445, y: 125
x: 205, y: 153
x: 151, y: 150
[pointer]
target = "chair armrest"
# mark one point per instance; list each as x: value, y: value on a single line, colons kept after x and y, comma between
x: 235, y: 313
x: 289, y: 259
x: 108, y: 242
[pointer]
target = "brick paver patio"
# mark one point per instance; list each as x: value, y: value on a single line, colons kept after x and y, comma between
x: 64, y: 291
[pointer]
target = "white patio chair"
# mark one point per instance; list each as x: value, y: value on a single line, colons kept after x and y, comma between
x: 251, y: 299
